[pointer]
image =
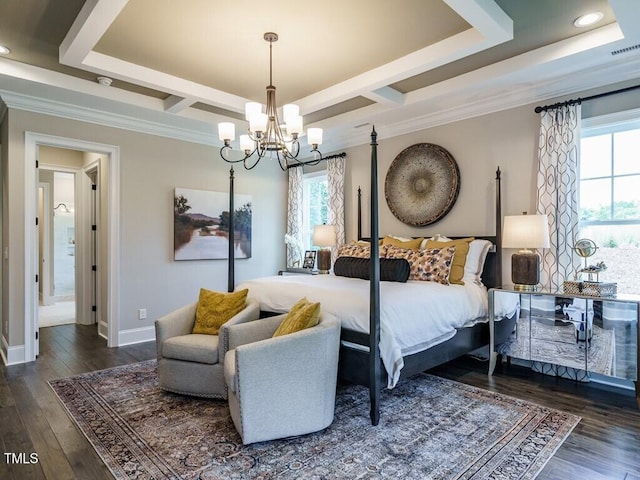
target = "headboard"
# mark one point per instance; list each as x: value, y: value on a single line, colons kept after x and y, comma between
x: 490, y: 273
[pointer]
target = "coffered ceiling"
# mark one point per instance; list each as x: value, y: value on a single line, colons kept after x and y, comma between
x: 402, y: 65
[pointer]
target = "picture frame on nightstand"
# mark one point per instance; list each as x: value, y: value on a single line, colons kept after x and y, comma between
x: 309, y: 259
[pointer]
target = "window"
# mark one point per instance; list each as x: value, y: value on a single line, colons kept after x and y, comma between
x: 316, y: 209
x: 609, y: 198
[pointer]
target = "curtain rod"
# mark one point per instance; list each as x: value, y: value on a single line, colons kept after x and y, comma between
x: 580, y: 100
x: 316, y: 162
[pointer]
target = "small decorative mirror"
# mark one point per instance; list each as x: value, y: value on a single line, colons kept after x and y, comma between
x: 585, y: 248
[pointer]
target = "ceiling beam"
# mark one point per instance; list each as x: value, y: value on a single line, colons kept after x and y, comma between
x: 627, y: 14
x: 89, y: 26
x: 176, y: 104
x: 386, y: 96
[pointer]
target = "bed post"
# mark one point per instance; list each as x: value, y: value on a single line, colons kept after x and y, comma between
x: 374, y: 292
x: 498, y: 230
x: 359, y: 213
x: 231, y: 284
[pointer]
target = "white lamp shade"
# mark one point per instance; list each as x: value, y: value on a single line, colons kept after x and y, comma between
x: 526, y: 231
x: 290, y: 110
x: 314, y: 136
x: 227, y: 131
x: 294, y: 124
x: 258, y: 122
x: 324, y: 235
x: 251, y: 109
x: 246, y: 143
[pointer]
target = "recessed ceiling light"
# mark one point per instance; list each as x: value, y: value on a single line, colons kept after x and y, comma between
x: 588, y: 19
x: 4, y: 50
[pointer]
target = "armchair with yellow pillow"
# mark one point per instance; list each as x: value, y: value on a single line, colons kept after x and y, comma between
x: 192, y: 341
x: 282, y: 373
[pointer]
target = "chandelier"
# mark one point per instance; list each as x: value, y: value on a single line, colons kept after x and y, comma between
x: 266, y: 135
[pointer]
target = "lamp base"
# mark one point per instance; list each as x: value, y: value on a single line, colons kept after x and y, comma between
x: 324, y: 261
x: 525, y: 270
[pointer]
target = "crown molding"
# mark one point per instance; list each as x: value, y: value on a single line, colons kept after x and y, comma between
x: 204, y: 135
x: 341, y: 133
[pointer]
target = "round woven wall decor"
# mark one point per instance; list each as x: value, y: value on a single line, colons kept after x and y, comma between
x: 422, y: 184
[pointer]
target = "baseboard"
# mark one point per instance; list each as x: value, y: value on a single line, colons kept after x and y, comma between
x: 136, y: 335
x: 11, y: 355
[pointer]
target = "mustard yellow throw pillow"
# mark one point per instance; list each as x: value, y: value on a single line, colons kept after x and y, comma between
x: 413, y: 244
x: 303, y: 314
x: 459, y: 257
x: 216, y: 308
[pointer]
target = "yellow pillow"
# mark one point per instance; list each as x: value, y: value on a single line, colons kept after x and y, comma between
x: 216, y: 308
x: 413, y: 244
x: 459, y: 257
x: 300, y: 316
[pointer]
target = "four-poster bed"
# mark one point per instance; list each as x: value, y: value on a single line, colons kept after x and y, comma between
x: 361, y: 360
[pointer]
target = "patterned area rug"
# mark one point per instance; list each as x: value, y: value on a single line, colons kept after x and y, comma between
x: 430, y: 428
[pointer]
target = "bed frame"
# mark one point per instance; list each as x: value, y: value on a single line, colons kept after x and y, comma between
x: 363, y: 366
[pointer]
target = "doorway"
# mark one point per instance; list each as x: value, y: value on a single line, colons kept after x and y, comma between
x: 57, y: 225
x: 102, y: 165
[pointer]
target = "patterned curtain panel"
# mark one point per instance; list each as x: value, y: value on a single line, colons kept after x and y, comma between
x: 293, y: 238
x: 557, y: 192
x: 335, y: 181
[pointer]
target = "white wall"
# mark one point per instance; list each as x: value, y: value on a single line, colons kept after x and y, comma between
x: 151, y: 167
x: 506, y: 139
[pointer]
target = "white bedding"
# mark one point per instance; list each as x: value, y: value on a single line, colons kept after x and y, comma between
x: 413, y: 316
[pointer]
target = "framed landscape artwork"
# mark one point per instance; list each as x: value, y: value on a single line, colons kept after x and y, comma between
x: 201, y: 225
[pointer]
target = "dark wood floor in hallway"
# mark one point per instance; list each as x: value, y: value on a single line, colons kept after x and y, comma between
x: 605, y: 445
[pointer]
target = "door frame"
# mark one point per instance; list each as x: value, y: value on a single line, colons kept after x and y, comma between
x: 90, y: 199
x: 44, y: 222
x: 80, y: 247
x: 112, y: 223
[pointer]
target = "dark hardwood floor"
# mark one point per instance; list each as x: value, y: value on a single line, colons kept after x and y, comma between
x: 604, y: 445
x: 32, y: 420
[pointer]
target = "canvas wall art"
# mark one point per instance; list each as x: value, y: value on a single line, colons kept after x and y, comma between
x: 201, y: 225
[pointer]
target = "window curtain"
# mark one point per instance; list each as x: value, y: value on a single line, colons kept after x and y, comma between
x: 335, y: 187
x: 557, y: 185
x: 295, y: 206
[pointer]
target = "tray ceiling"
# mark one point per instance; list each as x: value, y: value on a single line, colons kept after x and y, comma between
x: 345, y: 63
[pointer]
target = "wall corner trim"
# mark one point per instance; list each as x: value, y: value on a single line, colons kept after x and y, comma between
x: 136, y: 335
x: 11, y: 355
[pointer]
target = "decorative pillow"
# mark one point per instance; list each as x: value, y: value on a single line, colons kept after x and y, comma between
x: 459, y: 259
x: 474, y: 265
x: 360, y: 251
x: 431, y: 265
x: 302, y: 315
x: 436, y: 238
x: 413, y: 244
x: 391, y: 269
x: 216, y: 308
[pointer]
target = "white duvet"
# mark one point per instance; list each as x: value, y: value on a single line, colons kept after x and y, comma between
x: 413, y: 316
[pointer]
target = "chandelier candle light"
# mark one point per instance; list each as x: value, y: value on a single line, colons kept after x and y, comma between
x: 266, y: 134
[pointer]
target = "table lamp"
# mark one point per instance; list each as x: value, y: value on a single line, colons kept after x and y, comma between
x: 526, y: 232
x: 324, y: 236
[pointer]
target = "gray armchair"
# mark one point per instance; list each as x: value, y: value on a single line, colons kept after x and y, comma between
x: 284, y: 386
x: 193, y: 364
